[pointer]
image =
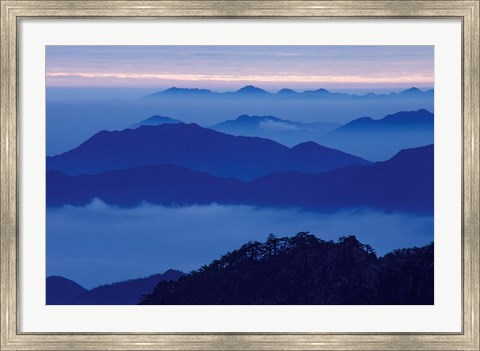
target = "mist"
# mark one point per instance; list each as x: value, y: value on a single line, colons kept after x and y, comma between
x: 74, y: 115
x: 99, y: 244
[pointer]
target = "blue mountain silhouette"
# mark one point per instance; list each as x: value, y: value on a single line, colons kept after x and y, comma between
x: 404, y: 183
x: 251, y: 90
x: 127, y: 292
x: 287, y: 92
x: 60, y: 290
x: 155, y: 121
x: 181, y: 92
x: 380, y: 139
x: 281, y: 130
x: 196, y: 148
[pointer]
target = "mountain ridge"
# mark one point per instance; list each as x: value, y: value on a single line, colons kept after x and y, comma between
x: 154, y: 121
x: 251, y: 89
x: 193, y: 147
x: 380, y: 139
x: 306, y: 270
x: 369, y: 186
x: 126, y: 292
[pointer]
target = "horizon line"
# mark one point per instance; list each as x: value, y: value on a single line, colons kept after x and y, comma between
x: 266, y: 90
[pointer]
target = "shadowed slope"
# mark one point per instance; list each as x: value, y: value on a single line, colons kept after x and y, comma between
x: 404, y: 183
x: 305, y: 270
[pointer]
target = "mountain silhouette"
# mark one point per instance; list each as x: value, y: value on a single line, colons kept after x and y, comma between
x: 159, y: 184
x: 284, y: 131
x: 380, y: 139
x: 287, y: 92
x: 196, y: 148
x: 155, y: 121
x: 60, y: 290
x: 127, y: 292
x: 403, y: 183
x: 415, y: 92
x: 181, y: 92
x: 304, y: 270
x: 250, y: 90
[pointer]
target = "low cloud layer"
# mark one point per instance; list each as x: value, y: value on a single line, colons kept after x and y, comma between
x: 100, y: 244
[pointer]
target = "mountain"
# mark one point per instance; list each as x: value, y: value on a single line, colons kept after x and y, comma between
x: 403, y: 183
x: 181, y: 92
x: 251, y: 90
x: 127, y: 292
x: 308, y: 271
x: 159, y: 184
x: 415, y: 92
x: 380, y: 139
x: 191, y: 146
x: 60, y: 290
x: 322, y: 93
x: 155, y: 121
x: 287, y: 92
x: 283, y: 131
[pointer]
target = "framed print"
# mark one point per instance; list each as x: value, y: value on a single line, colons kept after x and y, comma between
x: 240, y: 175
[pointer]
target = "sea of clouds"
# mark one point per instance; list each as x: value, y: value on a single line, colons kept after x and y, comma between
x: 99, y: 244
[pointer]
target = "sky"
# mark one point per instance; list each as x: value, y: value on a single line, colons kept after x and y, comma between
x: 224, y: 68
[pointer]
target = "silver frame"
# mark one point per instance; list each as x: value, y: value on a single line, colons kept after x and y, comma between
x: 12, y: 339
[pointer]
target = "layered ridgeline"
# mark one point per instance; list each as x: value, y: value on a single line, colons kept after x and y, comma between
x: 196, y: 148
x: 284, y: 131
x: 379, y: 139
x: 155, y: 120
x: 254, y: 93
x: 372, y: 139
x: 403, y: 183
x: 305, y: 270
x: 67, y: 119
x: 63, y: 291
x: 302, y: 269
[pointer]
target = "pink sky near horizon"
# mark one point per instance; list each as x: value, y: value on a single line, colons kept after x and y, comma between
x: 231, y: 67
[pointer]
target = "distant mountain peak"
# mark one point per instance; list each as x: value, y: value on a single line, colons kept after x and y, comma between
x: 317, y: 92
x: 155, y: 121
x: 307, y: 145
x: 174, y: 91
x: 422, y: 110
x: 421, y: 113
x: 183, y: 90
x: 250, y: 89
x: 245, y: 118
x: 412, y: 90
x: 286, y: 91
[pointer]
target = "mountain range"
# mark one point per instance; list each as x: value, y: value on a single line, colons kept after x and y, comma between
x: 196, y: 148
x: 403, y: 183
x: 284, y: 131
x: 63, y: 291
x: 379, y: 139
x: 371, y: 139
x: 253, y: 91
x: 155, y: 121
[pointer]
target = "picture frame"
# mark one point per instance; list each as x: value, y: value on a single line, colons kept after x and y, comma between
x: 13, y: 11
